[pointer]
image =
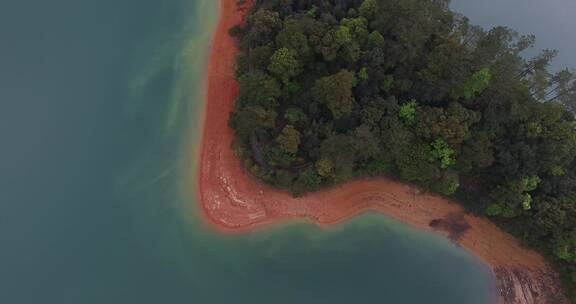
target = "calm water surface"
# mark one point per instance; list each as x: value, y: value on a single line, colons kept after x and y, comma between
x: 552, y: 21
x: 99, y: 113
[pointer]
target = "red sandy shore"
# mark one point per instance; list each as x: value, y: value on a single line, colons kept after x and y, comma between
x: 232, y: 201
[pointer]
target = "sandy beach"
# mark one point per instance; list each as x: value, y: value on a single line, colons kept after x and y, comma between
x: 234, y: 202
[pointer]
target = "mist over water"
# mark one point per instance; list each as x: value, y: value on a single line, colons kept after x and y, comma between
x: 100, y: 118
x: 552, y: 21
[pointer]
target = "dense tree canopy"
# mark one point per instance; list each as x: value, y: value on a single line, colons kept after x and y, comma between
x: 332, y: 90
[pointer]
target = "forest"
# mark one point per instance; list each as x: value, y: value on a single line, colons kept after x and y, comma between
x: 335, y: 90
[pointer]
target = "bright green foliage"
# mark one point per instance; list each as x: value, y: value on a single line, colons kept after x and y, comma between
x: 527, y: 202
x: 530, y: 183
x: 358, y: 28
x: 284, y: 65
x: 557, y: 170
x: 408, y: 112
x: 289, y: 139
x: 477, y: 84
x: 442, y: 151
x: 336, y: 92
x: 342, y: 36
x: 375, y: 38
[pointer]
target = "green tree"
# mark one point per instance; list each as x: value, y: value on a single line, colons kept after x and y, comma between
x: 477, y: 153
x: 318, y: 105
x: 416, y: 164
x: 263, y: 24
x: 442, y: 151
x: 363, y: 75
x: 494, y: 209
x: 565, y: 246
x: 452, y: 124
x: 289, y: 139
x: 284, y: 65
x: 251, y: 118
x: 368, y: 141
x: 293, y: 37
x: 376, y: 39
x: 343, y: 36
x: 447, y: 184
x: 324, y: 167
x: 336, y: 92
x: 408, y: 112
x: 296, y: 116
x: 257, y: 88
x: 530, y: 183
x: 340, y: 149
x: 368, y: 8
x: 357, y: 28
x: 477, y: 84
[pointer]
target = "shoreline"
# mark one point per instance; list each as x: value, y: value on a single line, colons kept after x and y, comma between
x: 233, y: 202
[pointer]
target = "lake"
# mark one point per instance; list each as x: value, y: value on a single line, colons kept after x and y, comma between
x: 552, y: 21
x: 101, y: 106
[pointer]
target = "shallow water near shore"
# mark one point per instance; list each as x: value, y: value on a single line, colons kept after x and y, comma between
x: 101, y: 114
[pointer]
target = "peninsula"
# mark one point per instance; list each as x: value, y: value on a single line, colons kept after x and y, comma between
x: 242, y: 188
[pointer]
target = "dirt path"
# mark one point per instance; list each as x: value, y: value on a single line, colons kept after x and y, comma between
x: 234, y: 202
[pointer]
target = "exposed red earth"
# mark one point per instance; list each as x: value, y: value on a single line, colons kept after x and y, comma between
x: 234, y: 202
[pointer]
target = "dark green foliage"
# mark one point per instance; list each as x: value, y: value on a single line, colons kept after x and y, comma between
x: 417, y: 164
x: 451, y: 124
x: 336, y: 92
x: 258, y: 88
x: 333, y: 90
x: 284, y: 65
x: 289, y: 139
x: 447, y: 184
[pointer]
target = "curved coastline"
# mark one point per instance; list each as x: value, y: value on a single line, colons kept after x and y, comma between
x: 233, y: 202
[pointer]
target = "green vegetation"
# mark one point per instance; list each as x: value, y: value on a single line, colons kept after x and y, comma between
x: 335, y: 90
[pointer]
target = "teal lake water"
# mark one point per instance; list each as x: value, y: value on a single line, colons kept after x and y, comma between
x: 100, y: 105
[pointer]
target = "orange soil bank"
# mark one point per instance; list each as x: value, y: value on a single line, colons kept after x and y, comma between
x: 232, y: 201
